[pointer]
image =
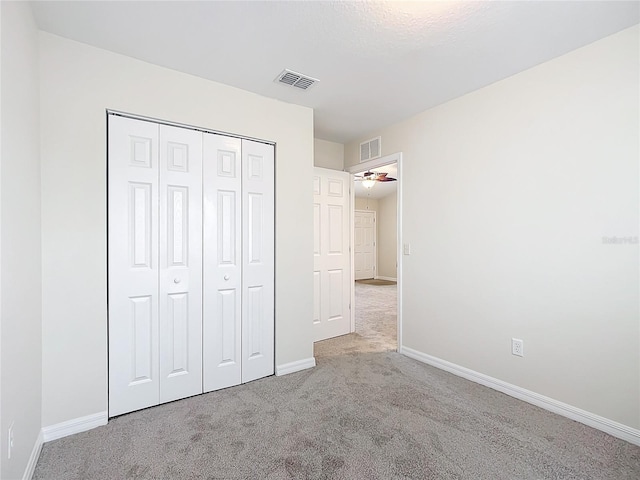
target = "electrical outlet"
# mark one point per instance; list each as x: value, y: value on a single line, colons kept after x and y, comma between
x: 10, y: 441
x: 517, y: 347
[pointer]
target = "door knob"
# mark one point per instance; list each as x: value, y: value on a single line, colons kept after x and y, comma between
x: 176, y: 280
x: 226, y: 277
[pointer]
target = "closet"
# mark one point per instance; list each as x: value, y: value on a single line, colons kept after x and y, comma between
x: 190, y: 262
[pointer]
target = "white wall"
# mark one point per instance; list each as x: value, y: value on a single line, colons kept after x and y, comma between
x: 20, y: 269
x: 78, y: 83
x: 362, y: 203
x: 507, y: 195
x: 387, y: 236
x: 328, y: 154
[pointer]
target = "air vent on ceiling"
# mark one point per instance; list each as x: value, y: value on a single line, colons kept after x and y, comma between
x: 370, y: 149
x: 298, y: 80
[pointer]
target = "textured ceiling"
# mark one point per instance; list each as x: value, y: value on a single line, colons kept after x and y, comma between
x: 377, y: 62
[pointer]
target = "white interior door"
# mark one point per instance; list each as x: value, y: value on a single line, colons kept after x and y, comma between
x: 257, y: 260
x: 364, y: 244
x: 133, y: 265
x: 180, y: 320
x: 222, y: 262
x: 331, y: 264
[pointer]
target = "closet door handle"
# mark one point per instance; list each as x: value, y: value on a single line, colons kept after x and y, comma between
x: 176, y: 280
x: 226, y: 277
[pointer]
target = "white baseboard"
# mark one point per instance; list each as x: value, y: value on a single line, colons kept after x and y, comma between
x: 33, y: 459
x: 389, y: 279
x: 611, y: 427
x: 296, y: 366
x: 77, y: 425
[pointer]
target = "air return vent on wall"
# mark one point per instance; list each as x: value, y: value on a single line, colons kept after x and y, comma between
x: 294, y: 79
x: 370, y: 149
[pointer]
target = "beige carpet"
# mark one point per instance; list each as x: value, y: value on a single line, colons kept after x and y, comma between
x: 357, y: 415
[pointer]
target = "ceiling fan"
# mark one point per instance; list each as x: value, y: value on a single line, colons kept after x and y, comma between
x: 369, y: 178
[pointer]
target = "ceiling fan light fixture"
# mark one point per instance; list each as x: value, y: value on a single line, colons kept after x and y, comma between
x: 368, y: 183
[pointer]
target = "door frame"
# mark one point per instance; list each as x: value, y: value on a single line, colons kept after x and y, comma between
x: 375, y: 240
x: 363, y: 167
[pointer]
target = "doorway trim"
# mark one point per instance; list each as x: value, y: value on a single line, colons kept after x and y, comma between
x: 363, y: 167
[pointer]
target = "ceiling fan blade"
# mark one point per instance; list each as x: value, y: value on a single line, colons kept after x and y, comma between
x: 375, y: 176
x: 363, y: 176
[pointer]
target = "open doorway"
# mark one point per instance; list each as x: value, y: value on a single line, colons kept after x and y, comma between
x: 375, y: 248
x: 375, y: 302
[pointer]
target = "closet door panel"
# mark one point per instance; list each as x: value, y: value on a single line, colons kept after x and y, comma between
x: 258, y: 260
x: 180, y: 284
x: 133, y: 265
x: 222, y: 262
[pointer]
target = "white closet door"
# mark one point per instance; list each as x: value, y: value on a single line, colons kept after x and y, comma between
x: 258, y: 260
x: 187, y: 317
x: 133, y: 265
x: 222, y: 262
x: 180, y: 263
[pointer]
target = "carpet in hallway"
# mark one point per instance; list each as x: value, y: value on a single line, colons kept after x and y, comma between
x: 376, y: 323
x: 375, y: 281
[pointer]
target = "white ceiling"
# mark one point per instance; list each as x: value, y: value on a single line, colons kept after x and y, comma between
x: 380, y: 189
x: 377, y: 62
